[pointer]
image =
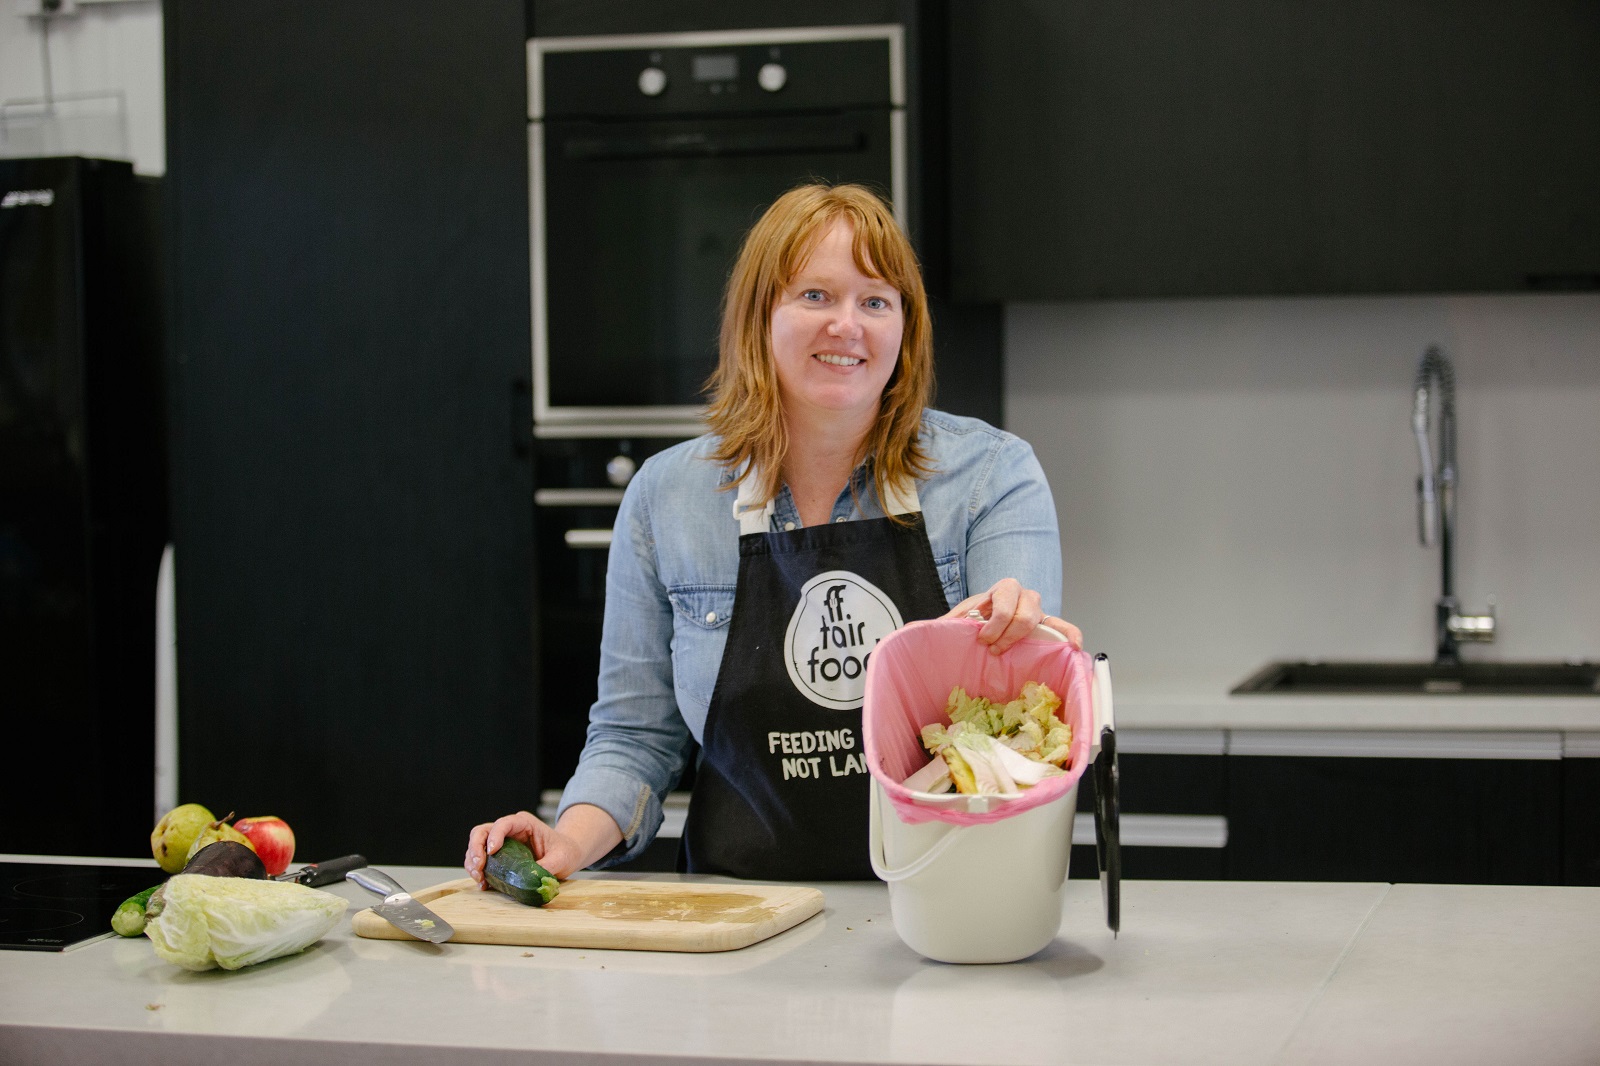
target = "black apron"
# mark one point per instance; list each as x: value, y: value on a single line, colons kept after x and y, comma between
x: 780, y: 793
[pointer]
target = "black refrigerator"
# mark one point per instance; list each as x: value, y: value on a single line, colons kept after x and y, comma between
x: 83, y: 504
x: 347, y: 226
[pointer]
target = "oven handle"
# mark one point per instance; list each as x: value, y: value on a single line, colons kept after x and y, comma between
x: 700, y: 144
x: 587, y: 538
x: 577, y: 497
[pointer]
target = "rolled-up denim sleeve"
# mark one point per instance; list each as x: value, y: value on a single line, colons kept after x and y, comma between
x: 637, y: 741
x: 1014, y: 531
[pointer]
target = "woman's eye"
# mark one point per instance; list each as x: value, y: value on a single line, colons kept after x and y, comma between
x: 877, y: 303
x: 812, y: 295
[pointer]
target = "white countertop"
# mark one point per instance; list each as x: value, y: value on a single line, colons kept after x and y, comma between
x: 1204, y: 972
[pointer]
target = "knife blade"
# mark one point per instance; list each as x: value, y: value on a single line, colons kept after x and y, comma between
x: 399, y: 909
x: 316, y: 874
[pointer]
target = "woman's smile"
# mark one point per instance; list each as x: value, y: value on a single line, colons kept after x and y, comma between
x: 839, y: 360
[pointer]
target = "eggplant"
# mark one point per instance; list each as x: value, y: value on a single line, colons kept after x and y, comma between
x: 226, y: 858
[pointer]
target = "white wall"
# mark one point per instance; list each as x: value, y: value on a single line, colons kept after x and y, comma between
x: 101, y: 48
x: 1236, y: 478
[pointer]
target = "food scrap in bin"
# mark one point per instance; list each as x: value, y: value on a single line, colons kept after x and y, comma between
x: 995, y: 749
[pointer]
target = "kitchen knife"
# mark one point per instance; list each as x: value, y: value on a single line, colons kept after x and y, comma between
x: 1107, y: 828
x: 316, y: 874
x: 399, y: 909
x: 1107, y: 802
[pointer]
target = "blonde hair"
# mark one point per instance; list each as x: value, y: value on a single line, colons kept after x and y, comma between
x: 746, y: 408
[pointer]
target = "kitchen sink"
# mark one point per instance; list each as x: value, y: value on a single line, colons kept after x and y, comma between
x: 1412, y: 678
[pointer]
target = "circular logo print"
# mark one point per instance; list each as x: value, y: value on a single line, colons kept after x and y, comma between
x: 839, y: 620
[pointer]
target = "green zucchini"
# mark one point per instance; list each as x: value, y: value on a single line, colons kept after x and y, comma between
x: 128, y: 919
x: 512, y: 870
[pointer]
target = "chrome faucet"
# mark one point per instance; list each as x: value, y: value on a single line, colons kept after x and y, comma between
x: 1436, y: 506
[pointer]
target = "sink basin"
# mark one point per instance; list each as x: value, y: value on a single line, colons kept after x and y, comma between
x: 1403, y: 678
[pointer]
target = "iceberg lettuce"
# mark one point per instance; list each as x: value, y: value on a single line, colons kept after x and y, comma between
x: 201, y: 922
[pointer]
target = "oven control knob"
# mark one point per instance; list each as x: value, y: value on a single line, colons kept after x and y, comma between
x: 619, y: 471
x: 652, y: 81
x: 772, y: 77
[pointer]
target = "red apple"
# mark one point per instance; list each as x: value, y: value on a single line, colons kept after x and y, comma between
x: 273, y: 841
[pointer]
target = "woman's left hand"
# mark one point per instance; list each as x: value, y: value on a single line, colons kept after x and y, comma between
x: 1011, y: 613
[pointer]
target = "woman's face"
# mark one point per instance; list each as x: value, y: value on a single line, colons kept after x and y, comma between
x: 835, y: 333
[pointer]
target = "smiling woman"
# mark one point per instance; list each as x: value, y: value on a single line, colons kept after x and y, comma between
x: 753, y: 569
x: 826, y: 272
x: 835, y: 336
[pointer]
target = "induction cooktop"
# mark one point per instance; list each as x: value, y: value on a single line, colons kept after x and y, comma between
x: 55, y: 906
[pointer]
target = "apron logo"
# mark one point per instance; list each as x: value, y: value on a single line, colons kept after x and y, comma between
x: 839, y: 620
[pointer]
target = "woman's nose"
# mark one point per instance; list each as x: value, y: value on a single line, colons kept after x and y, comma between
x: 845, y: 325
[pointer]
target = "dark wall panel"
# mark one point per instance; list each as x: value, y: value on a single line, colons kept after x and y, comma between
x: 353, y: 507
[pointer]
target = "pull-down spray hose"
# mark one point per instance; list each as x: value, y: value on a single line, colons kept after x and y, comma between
x: 1435, y: 486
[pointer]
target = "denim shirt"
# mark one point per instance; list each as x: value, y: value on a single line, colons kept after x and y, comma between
x: 674, y: 565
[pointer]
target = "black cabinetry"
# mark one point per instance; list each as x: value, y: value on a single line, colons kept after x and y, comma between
x: 353, y: 503
x: 1160, y: 784
x: 1580, y: 821
x: 1445, y: 821
x: 1308, y: 817
x: 1104, y: 149
x: 83, y: 518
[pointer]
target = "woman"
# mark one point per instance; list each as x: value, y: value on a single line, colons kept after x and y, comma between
x: 754, y: 568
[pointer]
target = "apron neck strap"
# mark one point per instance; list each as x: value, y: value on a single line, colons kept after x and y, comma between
x: 755, y: 516
x: 901, y: 501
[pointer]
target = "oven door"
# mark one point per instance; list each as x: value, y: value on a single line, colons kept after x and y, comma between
x: 573, y: 530
x: 636, y: 225
x: 581, y: 482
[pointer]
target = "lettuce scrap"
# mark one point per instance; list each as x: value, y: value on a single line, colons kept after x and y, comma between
x: 990, y: 749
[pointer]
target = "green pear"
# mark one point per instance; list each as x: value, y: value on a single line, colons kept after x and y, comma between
x: 176, y: 832
x: 216, y: 830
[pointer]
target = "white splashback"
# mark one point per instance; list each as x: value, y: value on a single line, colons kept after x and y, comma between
x: 97, y: 52
x: 1236, y: 478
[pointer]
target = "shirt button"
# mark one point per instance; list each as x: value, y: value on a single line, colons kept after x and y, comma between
x: 788, y: 526
x: 711, y: 618
x: 839, y: 519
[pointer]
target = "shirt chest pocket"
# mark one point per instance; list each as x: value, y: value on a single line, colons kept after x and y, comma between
x: 950, y: 581
x: 700, y: 617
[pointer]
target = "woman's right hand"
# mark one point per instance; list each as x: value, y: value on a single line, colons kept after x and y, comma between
x: 555, y: 850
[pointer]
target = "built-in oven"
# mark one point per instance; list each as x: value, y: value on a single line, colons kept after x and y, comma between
x: 650, y: 158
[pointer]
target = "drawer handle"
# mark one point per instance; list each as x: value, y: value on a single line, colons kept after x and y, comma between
x: 1160, y: 830
x: 587, y: 538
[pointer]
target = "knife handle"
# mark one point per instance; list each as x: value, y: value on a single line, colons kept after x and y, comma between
x: 324, y: 873
x: 375, y: 881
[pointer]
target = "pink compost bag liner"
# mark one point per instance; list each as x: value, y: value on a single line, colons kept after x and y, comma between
x: 909, y: 678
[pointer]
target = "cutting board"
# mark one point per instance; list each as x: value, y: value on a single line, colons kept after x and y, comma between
x: 604, y: 913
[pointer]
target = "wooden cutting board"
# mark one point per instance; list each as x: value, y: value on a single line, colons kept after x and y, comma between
x: 603, y: 913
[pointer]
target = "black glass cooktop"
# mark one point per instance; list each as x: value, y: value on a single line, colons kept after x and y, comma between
x: 55, y: 906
